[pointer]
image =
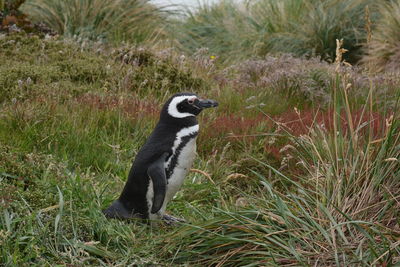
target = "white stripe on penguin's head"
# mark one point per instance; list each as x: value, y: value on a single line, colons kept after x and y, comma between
x: 173, y: 106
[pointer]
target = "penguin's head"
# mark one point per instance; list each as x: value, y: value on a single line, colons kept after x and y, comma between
x: 184, y: 105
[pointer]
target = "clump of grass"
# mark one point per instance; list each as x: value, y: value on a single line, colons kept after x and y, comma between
x: 222, y: 27
x: 339, y: 208
x: 311, y: 27
x: 137, y: 21
x: 303, y: 28
x: 382, y: 51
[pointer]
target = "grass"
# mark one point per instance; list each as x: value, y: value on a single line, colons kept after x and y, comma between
x: 381, y: 51
x: 231, y: 31
x: 234, y: 31
x: 310, y: 28
x: 331, y: 210
x: 222, y: 27
x: 297, y: 167
x: 137, y: 21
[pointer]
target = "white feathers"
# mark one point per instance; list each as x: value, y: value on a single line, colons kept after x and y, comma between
x: 178, y: 139
x: 149, y: 198
x: 173, y: 107
x: 184, y: 163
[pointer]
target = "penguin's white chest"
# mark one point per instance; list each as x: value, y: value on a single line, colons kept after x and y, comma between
x: 182, y: 167
x: 177, y: 166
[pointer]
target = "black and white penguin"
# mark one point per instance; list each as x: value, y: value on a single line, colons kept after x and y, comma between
x: 162, y: 163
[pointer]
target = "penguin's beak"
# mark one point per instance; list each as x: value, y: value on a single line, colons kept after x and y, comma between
x: 206, y: 103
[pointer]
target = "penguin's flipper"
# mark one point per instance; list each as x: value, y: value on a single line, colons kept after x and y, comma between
x: 156, y: 172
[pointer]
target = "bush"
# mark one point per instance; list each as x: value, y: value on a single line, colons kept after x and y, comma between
x: 10, y: 5
x: 134, y: 20
x: 311, y: 27
x: 33, y: 66
x: 222, y: 27
x: 383, y: 51
x: 157, y: 72
x: 303, y: 28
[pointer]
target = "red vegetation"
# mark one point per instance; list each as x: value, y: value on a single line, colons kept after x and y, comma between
x: 238, y: 128
x: 130, y: 106
x: 300, y: 122
x: 297, y: 122
x: 235, y: 125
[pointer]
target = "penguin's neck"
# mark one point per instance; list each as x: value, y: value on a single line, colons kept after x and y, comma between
x: 178, y: 123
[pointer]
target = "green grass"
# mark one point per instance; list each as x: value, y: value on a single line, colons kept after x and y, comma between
x: 295, y: 176
x: 310, y: 28
x: 381, y: 50
x: 221, y: 27
x: 137, y: 21
x: 233, y: 31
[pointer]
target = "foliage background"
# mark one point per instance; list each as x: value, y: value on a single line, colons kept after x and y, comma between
x: 299, y: 165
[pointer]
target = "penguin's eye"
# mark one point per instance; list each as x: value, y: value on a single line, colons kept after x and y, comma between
x: 191, y: 101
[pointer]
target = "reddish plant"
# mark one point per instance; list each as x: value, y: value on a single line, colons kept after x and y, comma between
x: 235, y: 125
x: 130, y: 106
x: 300, y: 122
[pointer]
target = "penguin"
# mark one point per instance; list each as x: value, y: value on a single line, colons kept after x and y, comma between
x: 161, y: 165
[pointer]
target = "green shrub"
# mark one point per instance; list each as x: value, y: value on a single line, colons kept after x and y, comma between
x: 383, y: 50
x: 311, y: 27
x: 303, y: 28
x: 152, y: 72
x: 10, y: 5
x: 134, y: 20
x: 32, y: 67
x: 223, y: 28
